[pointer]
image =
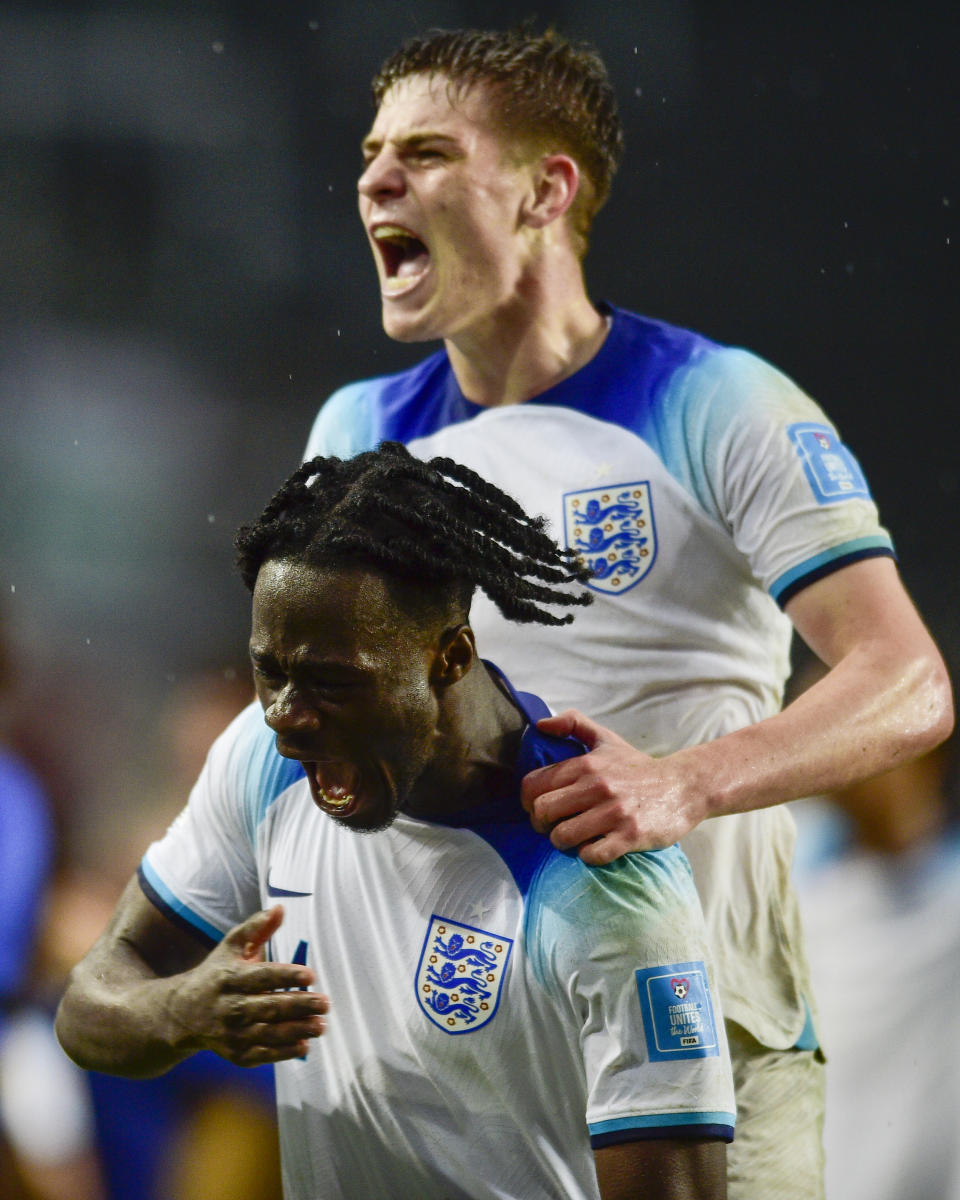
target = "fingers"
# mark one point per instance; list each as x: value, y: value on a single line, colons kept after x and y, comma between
x: 549, y: 794
x: 268, y: 977
x: 572, y: 723
x: 249, y: 939
x: 554, y: 782
x: 271, y: 1027
x: 274, y: 1008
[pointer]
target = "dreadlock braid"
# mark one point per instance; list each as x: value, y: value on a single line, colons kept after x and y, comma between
x: 437, y: 524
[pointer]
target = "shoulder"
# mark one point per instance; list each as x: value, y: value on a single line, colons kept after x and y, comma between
x: 244, y: 772
x: 642, y: 909
x: 633, y: 886
x: 697, y: 371
x: 359, y: 415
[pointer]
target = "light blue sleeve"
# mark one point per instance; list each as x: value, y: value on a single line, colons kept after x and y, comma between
x: 346, y: 425
x: 763, y: 460
x: 624, y: 949
x: 204, y: 871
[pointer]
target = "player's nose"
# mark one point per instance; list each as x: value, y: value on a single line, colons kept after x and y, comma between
x: 382, y: 177
x: 290, y: 714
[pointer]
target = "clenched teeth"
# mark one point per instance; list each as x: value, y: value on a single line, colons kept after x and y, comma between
x: 337, y: 802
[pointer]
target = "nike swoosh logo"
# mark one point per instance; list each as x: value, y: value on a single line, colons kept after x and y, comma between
x: 279, y: 891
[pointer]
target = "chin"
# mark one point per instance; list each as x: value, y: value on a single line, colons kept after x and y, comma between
x: 364, y: 822
x: 399, y: 329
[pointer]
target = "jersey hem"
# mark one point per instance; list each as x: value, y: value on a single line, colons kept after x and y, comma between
x: 794, y: 581
x: 662, y: 1125
x: 162, y: 898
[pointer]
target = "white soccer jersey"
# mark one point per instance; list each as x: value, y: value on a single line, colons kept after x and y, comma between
x: 497, y: 1007
x: 705, y: 489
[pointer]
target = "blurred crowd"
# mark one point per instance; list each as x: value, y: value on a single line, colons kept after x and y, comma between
x: 206, y: 1129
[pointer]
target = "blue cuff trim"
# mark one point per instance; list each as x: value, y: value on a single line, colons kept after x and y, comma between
x: 795, y: 580
x: 662, y: 1125
x: 617, y: 1137
x: 173, y: 909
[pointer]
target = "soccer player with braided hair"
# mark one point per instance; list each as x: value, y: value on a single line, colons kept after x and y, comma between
x: 716, y: 504
x: 499, y: 1020
x: 436, y: 522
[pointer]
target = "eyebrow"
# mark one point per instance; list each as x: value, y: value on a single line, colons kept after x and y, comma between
x: 410, y: 141
x: 264, y: 656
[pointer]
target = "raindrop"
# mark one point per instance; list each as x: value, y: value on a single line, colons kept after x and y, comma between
x: 217, y: 47
x: 211, y: 518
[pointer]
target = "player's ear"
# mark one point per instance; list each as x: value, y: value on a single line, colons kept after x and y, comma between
x: 456, y: 654
x: 555, y: 183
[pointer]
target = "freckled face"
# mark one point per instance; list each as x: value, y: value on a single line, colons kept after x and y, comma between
x: 345, y: 685
x: 442, y: 209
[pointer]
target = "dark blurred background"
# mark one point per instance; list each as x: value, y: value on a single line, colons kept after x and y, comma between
x: 184, y: 280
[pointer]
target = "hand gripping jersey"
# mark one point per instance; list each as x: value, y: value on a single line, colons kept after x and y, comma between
x: 497, y: 1006
x: 705, y: 489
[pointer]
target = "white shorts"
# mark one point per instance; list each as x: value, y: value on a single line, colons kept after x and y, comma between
x: 777, y: 1153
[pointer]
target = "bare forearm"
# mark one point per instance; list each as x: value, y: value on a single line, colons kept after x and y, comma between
x: 147, y: 996
x: 885, y: 699
x: 866, y: 716
x: 668, y: 1170
x: 118, y: 1018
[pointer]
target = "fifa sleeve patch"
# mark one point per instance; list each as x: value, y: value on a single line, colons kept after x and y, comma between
x: 677, y: 1011
x: 832, y: 471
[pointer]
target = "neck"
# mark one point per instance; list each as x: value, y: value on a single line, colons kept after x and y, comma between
x: 479, y: 737
x: 536, y: 340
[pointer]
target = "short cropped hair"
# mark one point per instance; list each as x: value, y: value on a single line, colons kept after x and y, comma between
x: 547, y: 94
x: 437, y: 528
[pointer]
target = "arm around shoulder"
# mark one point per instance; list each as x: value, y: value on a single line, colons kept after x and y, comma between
x: 886, y: 698
x: 149, y: 994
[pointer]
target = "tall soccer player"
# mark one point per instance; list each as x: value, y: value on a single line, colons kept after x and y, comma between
x: 715, y: 503
x: 505, y: 1022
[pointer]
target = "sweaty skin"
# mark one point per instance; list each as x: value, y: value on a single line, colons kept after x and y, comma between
x: 498, y: 276
x: 886, y: 700
x: 148, y: 995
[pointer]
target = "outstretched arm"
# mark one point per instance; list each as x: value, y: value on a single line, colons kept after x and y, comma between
x: 884, y: 700
x: 670, y: 1169
x: 149, y: 994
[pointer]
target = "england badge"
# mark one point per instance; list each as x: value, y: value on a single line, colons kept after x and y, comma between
x: 460, y: 975
x: 612, y: 531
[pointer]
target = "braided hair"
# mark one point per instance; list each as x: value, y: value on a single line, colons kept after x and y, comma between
x: 434, y: 524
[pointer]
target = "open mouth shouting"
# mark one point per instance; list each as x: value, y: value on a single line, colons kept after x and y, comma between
x: 404, y: 258
x: 334, y: 787
x: 338, y: 790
